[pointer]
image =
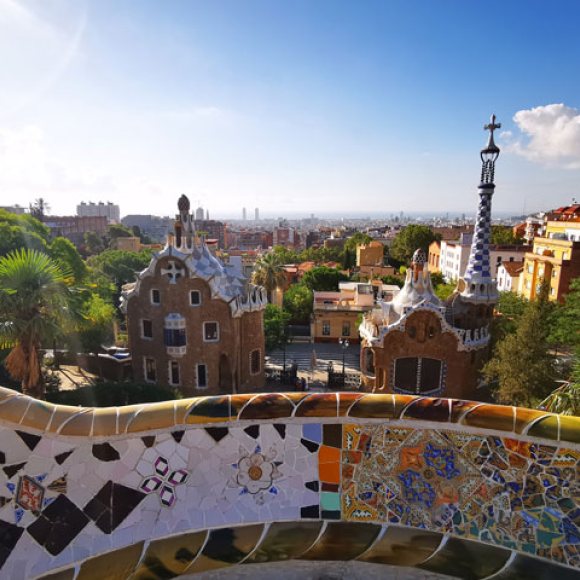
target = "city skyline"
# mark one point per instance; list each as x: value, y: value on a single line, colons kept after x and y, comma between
x: 322, y: 108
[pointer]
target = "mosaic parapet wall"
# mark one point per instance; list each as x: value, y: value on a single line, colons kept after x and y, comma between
x: 156, y: 491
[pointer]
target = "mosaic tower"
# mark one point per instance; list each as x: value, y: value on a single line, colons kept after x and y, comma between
x: 477, y: 284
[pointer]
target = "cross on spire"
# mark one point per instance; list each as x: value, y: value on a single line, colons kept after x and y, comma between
x: 491, y: 127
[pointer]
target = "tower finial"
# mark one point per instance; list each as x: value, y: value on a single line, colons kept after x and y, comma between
x: 489, y: 155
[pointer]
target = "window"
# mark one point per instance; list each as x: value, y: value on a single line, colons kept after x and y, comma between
x: 150, y: 370
x: 346, y: 329
x: 173, y: 372
x: 174, y: 337
x: 552, y: 291
x: 554, y: 273
x: 326, y: 328
x: 201, y: 377
x: 211, y: 332
x: 418, y: 375
x: 155, y: 296
x: 255, y: 362
x: 195, y: 298
x: 146, y: 328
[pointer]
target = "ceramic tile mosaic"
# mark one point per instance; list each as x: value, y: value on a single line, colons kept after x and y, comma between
x: 502, y: 491
x: 186, y: 486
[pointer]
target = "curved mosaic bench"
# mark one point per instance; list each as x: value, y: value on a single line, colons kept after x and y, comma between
x: 156, y: 491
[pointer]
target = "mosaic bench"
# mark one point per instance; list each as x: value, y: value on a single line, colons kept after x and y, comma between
x: 160, y: 490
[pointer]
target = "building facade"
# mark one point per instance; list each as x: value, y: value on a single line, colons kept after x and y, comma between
x: 508, y: 276
x: 555, y: 259
x: 335, y: 314
x: 192, y: 322
x: 109, y: 210
x: 75, y: 227
x: 417, y: 344
x: 454, y: 256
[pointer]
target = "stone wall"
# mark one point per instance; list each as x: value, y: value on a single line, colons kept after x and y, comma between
x: 160, y: 490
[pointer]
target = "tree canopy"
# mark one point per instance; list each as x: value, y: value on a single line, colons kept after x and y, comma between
x: 21, y: 231
x: 522, y: 364
x: 504, y: 235
x: 322, y: 278
x: 409, y: 239
x: 298, y: 302
x: 269, y: 272
x: 275, y: 326
x: 34, y: 304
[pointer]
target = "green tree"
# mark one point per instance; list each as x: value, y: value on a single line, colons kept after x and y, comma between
x: 504, y: 235
x: 443, y: 291
x: 117, y: 267
x: 298, y: 302
x: 96, y: 325
x: 94, y: 244
x: 21, y: 231
x: 269, y: 272
x: 522, y: 364
x: 509, y: 308
x: 39, y: 208
x: 393, y: 280
x: 275, y: 326
x: 565, y: 323
x: 357, y: 239
x: 33, y: 309
x: 64, y: 252
x: 323, y: 278
x: 409, y: 239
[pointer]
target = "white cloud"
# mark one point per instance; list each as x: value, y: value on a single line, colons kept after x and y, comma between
x: 549, y: 134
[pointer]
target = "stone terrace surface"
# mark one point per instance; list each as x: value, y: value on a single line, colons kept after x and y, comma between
x: 156, y: 491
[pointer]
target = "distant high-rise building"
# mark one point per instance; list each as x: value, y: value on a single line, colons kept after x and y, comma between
x: 257, y: 214
x: 244, y: 215
x: 109, y: 210
x: 199, y: 213
x: 207, y: 214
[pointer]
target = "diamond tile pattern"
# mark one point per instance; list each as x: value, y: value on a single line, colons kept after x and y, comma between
x: 58, y: 525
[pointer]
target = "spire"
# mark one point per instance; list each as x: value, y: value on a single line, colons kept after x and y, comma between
x: 477, y: 284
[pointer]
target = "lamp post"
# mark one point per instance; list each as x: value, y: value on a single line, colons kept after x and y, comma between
x: 344, y: 343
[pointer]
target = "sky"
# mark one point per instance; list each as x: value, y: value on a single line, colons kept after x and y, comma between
x: 293, y: 106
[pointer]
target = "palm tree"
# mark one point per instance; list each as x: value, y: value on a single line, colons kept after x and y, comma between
x: 33, y: 309
x: 269, y: 273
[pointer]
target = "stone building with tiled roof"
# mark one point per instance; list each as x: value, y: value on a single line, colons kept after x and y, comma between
x: 193, y: 322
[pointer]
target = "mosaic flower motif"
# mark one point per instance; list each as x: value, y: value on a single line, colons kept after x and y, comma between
x: 164, y: 481
x: 256, y: 472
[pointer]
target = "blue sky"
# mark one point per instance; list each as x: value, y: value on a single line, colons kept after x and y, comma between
x: 295, y: 106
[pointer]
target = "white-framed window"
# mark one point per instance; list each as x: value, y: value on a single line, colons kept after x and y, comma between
x: 552, y: 291
x: 155, y: 296
x: 201, y: 376
x: 195, y: 298
x: 326, y: 328
x: 150, y: 369
x: 174, y: 376
x: 255, y: 362
x: 211, y: 331
x: 146, y: 328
